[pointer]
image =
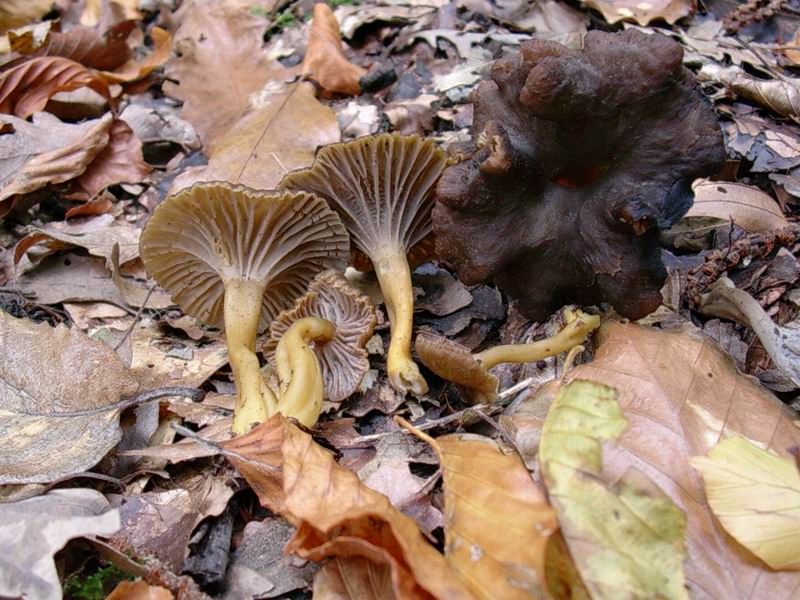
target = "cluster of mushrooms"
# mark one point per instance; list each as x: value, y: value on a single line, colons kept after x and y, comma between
x: 245, y: 260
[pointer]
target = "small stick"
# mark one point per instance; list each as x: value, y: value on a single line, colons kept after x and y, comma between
x: 135, y: 318
x: 224, y: 451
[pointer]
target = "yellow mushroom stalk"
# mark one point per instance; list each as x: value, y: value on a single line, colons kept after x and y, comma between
x: 301, y: 382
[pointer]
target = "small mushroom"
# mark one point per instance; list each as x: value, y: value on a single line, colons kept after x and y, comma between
x: 382, y: 187
x: 234, y: 257
x: 343, y: 359
x: 454, y: 362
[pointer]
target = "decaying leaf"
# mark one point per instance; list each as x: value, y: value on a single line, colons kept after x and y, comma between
x: 497, y: 521
x: 629, y: 538
x: 782, y: 344
x: 641, y: 12
x: 33, y: 530
x: 119, y: 162
x: 26, y: 87
x: 681, y: 394
x: 772, y: 146
x: 324, y: 61
x: 353, y: 579
x: 266, y: 143
x: 59, y: 401
x: 335, y: 514
x: 16, y: 13
x: 756, y: 497
x: 745, y: 205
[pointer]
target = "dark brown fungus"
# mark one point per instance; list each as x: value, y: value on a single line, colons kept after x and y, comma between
x: 579, y: 158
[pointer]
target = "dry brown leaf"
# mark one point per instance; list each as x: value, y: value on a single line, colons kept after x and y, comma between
x: 682, y: 394
x: 89, y: 46
x: 221, y: 64
x: 16, y: 13
x: 745, y: 205
x: 337, y: 515
x: 139, y: 590
x: 325, y: 61
x: 279, y: 136
x: 59, y: 401
x: 93, y: 10
x: 497, y: 521
x: 642, y: 12
x: 133, y: 70
x: 353, y: 579
x: 119, y: 162
x: 26, y: 87
x: 46, y: 151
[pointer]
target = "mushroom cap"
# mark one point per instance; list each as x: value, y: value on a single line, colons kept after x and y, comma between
x: 213, y: 232
x: 343, y: 360
x: 382, y: 187
x: 455, y: 362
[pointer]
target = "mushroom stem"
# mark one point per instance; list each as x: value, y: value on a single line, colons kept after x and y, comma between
x: 394, y: 277
x: 579, y: 325
x: 301, y: 380
x: 255, y: 402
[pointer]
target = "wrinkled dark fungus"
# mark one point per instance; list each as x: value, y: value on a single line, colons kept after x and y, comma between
x: 579, y: 157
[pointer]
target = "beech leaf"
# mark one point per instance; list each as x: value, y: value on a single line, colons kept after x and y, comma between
x: 756, y: 497
x: 16, y: 13
x: 119, y: 162
x: 59, y: 401
x: 89, y: 46
x: 745, y: 205
x: 353, y: 579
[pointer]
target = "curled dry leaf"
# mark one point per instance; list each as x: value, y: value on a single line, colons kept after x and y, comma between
x: 624, y: 538
x: 642, y: 12
x: 335, y: 514
x: 33, y: 530
x: 353, y: 578
x: 781, y: 343
x: 756, y: 497
x: 46, y: 151
x: 325, y: 61
x: 781, y: 96
x: 59, y: 401
x: 26, y: 87
x: 681, y: 394
x: 279, y: 136
x: 90, y: 46
x: 119, y: 162
x: 745, y: 205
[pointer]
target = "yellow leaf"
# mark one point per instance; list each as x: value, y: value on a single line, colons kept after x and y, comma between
x: 756, y: 497
x: 626, y: 542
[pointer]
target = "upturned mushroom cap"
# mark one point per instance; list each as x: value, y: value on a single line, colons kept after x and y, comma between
x: 455, y: 362
x: 381, y: 186
x: 343, y: 360
x: 213, y: 232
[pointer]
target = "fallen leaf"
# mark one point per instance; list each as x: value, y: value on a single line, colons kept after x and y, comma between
x: 119, y: 162
x: 336, y: 515
x: 139, y: 590
x: 630, y: 537
x: 353, y: 579
x: 26, y: 88
x: 160, y: 124
x: 782, y: 344
x: 325, y: 61
x: 770, y: 145
x: 498, y: 521
x: 188, y: 449
x: 90, y: 46
x: 548, y: 19
x: 681, y: 395
x: 46, y: 151
x: 442, y: 295
x: 221, y: 63
x: 357, y: 120
x: 354, y: 17
x: 25, y: 40
x: 93, y: 10
x: 32, y: 531
x: 641, y: 12
x: 133, y: 70
x: 100, y: 205
x: 411, y: 117
x: 16, y: 13
x: 60, y: 402
x: 268, y: 142
x: 756, y: 497
x: 745, y: 205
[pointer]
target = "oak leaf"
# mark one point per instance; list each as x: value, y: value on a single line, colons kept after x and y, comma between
x: 325, y: 61
x: 642, y: 12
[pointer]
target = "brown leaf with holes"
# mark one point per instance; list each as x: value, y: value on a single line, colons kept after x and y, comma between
x: 26, y: 87
x: 335, y: 514
x: 119, y: 162
x: 681, y: 395
x: 325, y: 61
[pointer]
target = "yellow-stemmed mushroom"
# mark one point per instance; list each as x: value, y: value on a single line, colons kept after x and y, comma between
x: 382, y: 187
x: 234, y: 257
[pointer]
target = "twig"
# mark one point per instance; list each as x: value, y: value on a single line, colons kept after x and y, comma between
x: 135, y: 318
x: 224, y: 451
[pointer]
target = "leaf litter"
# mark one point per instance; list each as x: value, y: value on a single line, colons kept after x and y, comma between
x: 110, y: 106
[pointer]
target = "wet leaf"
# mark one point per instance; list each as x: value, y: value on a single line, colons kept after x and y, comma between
x: 745, y: 205
x: 641, y: 12
x: 59, y: 402
x: 756, y: 497
x: 625, y: 538
x: 32, y: 531
x: 325, y: 61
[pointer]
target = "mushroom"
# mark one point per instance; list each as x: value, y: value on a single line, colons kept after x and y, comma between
x: 234, y: 257
x: 454, y: 362
x: 343, y: 359
x: 382, y: 187
x: 579, y: 158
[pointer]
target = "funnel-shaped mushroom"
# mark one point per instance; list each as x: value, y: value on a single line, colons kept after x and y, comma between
x: 234, y: 257
x: 343, y: 359
x: 382, y: 187
x: 454, y: 362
